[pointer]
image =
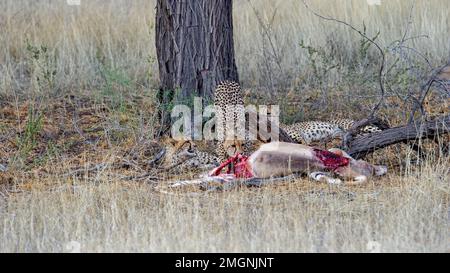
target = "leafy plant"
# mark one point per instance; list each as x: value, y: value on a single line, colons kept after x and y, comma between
x: 44, y: 66
x: 364, y: 44
x: 321, y: 61
x: 28, y: 139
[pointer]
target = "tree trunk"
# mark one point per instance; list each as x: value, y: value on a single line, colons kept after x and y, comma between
x: 194, y: 45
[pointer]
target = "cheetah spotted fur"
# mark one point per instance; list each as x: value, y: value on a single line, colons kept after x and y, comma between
x: 184, y: 155
x: 322, y: 131
x: 229, y: 106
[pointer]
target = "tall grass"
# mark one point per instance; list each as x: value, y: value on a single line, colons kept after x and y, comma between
x: 407, y: 213
x: 106, y: 48
x: 119, y: 35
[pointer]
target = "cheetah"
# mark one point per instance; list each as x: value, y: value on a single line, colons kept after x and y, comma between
x: 229, y: 98
x: 184, y: 155
x: 312, y: 131
x: 322, y: 131
x: 346, y: 124
x: 229, y: 103
x: 229, y: 106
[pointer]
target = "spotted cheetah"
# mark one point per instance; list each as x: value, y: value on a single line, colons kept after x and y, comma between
x: 183, y: 155
x: 322, y: 131
x: 229, y: 103
x: 312, y: 131
x: 229, y: 106
x: 346, y: 124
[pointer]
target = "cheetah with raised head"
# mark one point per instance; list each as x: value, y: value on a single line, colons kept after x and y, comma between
x: 229, y: 105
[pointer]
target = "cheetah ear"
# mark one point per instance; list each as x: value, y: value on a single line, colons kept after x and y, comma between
x: 180, y: 143
x: 189, y: 144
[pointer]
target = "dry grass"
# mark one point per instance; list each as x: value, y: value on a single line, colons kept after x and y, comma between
x: 402, y: 213
x: 119, y: 35
x: 104, y: 58
x: 50, y: 197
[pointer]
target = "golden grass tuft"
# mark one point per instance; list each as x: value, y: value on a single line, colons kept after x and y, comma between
x: 406, y: 213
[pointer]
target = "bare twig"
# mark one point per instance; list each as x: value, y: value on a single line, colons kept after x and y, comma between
x: 409, y: 23
x: 95, y: 168
x: 267, y: 31
x: 145, y: 176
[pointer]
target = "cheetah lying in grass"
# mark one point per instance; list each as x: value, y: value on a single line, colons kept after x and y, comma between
x: 228, y: 94
x: 307, y: 132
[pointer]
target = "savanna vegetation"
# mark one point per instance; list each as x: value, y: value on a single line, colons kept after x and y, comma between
x: 79, y: 126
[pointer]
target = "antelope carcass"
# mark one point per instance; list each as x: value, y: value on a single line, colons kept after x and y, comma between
x: 277, y: 159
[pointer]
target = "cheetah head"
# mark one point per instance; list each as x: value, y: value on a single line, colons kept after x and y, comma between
x: 179, y: 149
x: 232, y: 147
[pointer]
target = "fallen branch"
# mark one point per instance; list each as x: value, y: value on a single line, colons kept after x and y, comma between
x: 146, y: 176
x: 357, y: 126
x: 96, y: 168
x: 364, y: 145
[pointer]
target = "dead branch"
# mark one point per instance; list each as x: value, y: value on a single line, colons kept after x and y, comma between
x: 364, y: 145
x: 146, y: 176
x: 96, y: 168
x: 353, y: 131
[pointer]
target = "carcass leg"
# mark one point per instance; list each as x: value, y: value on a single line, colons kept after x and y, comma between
x: 324, y: 177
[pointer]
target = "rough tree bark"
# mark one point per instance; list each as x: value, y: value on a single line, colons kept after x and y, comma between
x: 194, y: 44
